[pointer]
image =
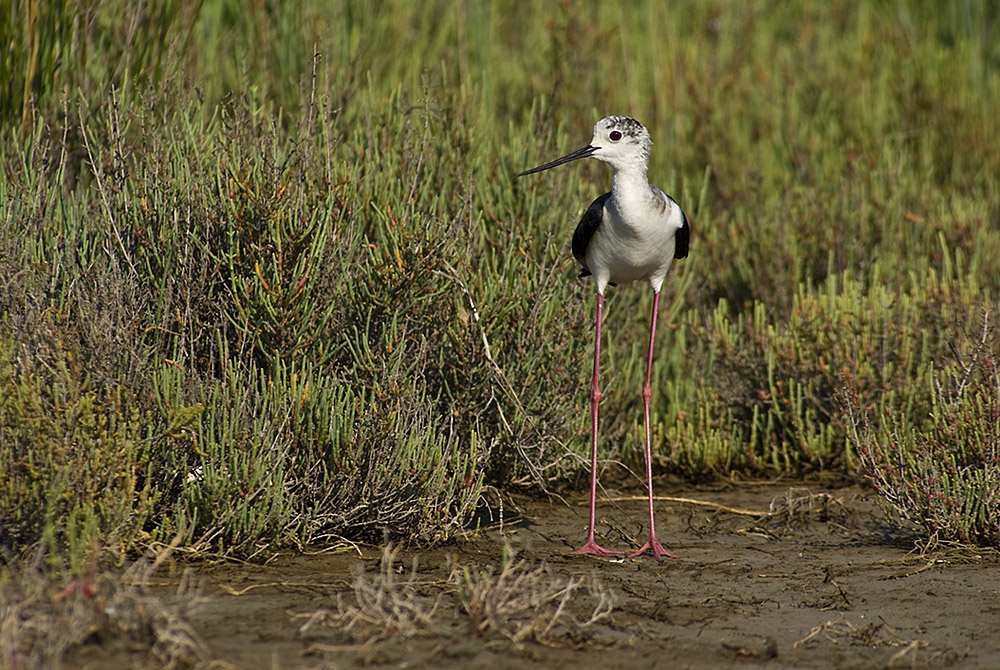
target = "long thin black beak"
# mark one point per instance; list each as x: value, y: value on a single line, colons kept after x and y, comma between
x: 579, y: 153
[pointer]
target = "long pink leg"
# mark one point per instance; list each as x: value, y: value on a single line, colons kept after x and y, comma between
x: 590, y: 546
x: 652, y: 543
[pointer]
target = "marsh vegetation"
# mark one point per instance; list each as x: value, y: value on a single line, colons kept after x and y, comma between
x: 267, y: 281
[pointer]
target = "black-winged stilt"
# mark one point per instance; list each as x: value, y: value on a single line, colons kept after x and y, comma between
x: 633, y: 232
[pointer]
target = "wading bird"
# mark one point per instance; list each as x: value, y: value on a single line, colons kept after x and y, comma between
x: 633, y: 232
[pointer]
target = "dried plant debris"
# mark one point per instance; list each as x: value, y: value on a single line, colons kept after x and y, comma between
x: 517, y: 602
x: 909, y: 652
x: 799, y: 505
x: 392, y: 603
x: 520, y: 601
x: 44, y: 618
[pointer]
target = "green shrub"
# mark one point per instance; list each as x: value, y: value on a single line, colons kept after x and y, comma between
x: 290, y: 278
x: 941, y: 473
x: 773, y: 389
x: 79, y: 460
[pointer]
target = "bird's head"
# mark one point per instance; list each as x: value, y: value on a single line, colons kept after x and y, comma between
x: 620, y: 141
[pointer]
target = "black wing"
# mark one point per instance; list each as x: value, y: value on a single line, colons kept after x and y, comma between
x: 681, y: 239
x: 585, y: 230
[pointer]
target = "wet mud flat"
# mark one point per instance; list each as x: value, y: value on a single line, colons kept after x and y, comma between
x: 775, y: 576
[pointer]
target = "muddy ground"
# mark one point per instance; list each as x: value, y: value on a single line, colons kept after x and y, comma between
x: 768, y: 576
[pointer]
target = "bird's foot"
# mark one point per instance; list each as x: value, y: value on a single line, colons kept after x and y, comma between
x: 652, y: 544
x: 594, y: 549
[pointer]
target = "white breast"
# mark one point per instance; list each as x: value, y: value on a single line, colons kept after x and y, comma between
x: 635, y: 240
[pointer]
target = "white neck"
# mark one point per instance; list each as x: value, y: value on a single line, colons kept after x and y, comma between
x: 629, y: 186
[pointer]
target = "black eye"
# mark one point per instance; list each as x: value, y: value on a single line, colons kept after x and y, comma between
x: 615, y: 135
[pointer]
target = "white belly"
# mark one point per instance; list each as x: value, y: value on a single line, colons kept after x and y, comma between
x: 625, y: 258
